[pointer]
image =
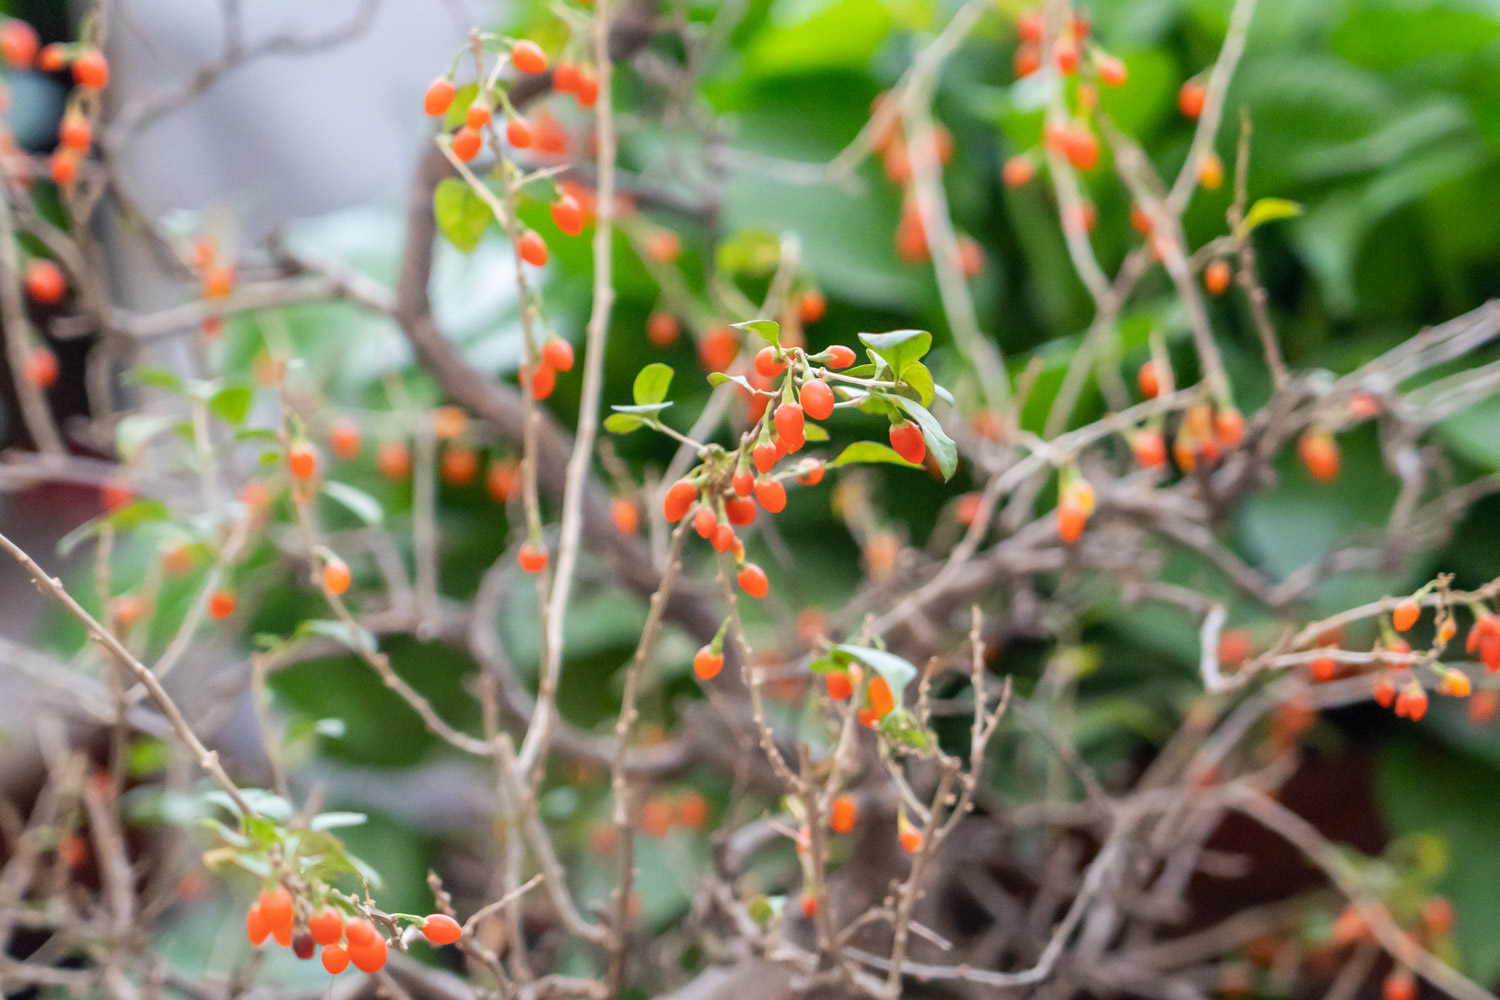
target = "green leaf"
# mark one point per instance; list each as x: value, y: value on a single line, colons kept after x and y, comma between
x: 255, y: 434
x: 652, y: 383
x: 897, y: 671
x: 232, y: 403
x: 130, y: 516
x: 920, y: 379
x: 719, y: 378
x: 812, y: 432
x: 356, y: 638
x: 869, y: 451
x: 359, y: 503
x: 939, y: 443
x: 159, y: 377
x: 461, y: 214
x: 459, y: 109
x: 647, y: 410
x: 763, y: 328
x: 751, y: 252
x: 898, y: 348
x: 623, y: 423
x: 901, y: 726
x: 336, y: 820
x: 135, y: 429
x: 1267, y: 210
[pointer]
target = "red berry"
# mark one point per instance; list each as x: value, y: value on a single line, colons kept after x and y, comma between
x: 304, y: 947
x: 816, y: 399
x: 52, y: 58
x: 707, y: 664
x: 704, y: 522
x: 840, y: 356
x: 91, y: 70
x: 74, y: 132
x: 1019, y: 170
x: 907, y: 440
x: 1216, y: 277
x: 1065, y: 53
x: 1229, y: 427
x: 369, y: 957
x: 18, y: 43
x: 393, y: 460
x: 1028, y: 60
x: 41, y: 368
x: 220, y: 604
x: 1148, y: 380
x: 764, y: 456
x: 752, y: 580
x: 256, y: 928
x: 624, y: 516
x: 533, y: 558
x: 466, y: 143
x: 439, y: 97
x: 1071, y: 519
x: 663, y: 246
x: 791, y: 426
x: 1111, y: 70
x: 1399, y: 985
x: 63, y: 167
x: 567, y: 214
x: 743, y: 482
x: 543, y: 381
x: 723, y: 538
x: 771, y: 495
x: 1406, y: 614
x: 970, y: 257
x: 739, y: 510
x: 533, y: 248
x: 558, y: 353
x: 336, y: 576
x: 1030, y: 26
x: 1191, y: 97
x: 661, y: 329
x: 911, y: 840
x: 840, y: 685
x: 810, y: 472
x: 529, y: 57
x: 44, y: 281
x: 1150, y: 449
x: 587, y: 90
x: 1081, y: 148
x: 518, y: 133
x: 335, y: 959
x: 811, y: 305
x: 302, y: 460
x: 565, y: 77
x: 679, y: 500
x: 477, y: 116
x: 276, y: 906
x: 360, y: 931
x: 767, y: 364
x: 843, y: 813
x: 326, y: 926
x: 344, y: 439
x: 439, y: 928
x: 1320, y: 453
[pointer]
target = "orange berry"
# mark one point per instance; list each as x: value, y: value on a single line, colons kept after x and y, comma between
x: 1071, y: 520
x: 752, y: 580
x: 91, y: 70
x: 718, y: 349
x: 439, y: 928
x: 1191, y: 97
x: 1320, y: 453
x: 467, y: 143
x: 624, y: 516
x: 335, y: 959
x: 1405, y: 614
x: 661, y: 329
x: 1229, y: 428
x: 1437, y: 914
x: 44, y: 281
x: 1324, y: 669
x: 678, y: 500
x: 840, y: 685
x: 771, y: 495
x: 882, y: 701
x: 370, y: 956
x: 1211, y: 172
x: 533, y: 558
x: 459, y: 466
x: 360, y: 931
x: 1028, y: 60
x: 393, y: 460
x: 908, y: 442
x: 220, y: 604
x: 532, y: 248
x: 302, y: 460
x: 1399, y: 985
x: 705, y: 522
x: 18, y: 43
x: 41, y: 368
x: 336, y: 576
x: 1150, y: 449
x: 558, y: 353
x: 518, y: 133
x: 1456, y: 684
x: 568, y: 215
x: 811, y: 305
x: 911, y: 839
x: 1148, y: 380
x: 565, y: 77
x: 839, y: 356
x: 1019, y: 171
x: 587, y: 90
x: 52, y: 58
x: 692, y: 811
x: 543, y: 381
x: 326, y: 926
x: 344, y: 439
x: 1235, y: 647
x: 449, y: 422
x: 1216, y: 277
x: 63, y: 167
x: 663, y: 246
x: 126, y: 609
x: 767, y: 364
x: 842, y: 814
x: 1111, y: 70
x: 528, y: 57
x: 477, y: 116
x: 656, y: 817
x: 277, y: 909
x: 256, y: 928
x: 439, y: 97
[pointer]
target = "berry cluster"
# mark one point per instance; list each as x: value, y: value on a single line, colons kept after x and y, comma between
x: 346, y: 936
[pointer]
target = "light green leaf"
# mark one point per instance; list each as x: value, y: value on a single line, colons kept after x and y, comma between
x: 135, y: 429
x: 897, y: 671
x: 335, y: 820
x: 623, y: 423
x: 763, y: 328
x: 1267, y: 210
x: 356, y: 638
x: 461, y: 214
x: 898, y: 348
x: 938, y: 442
x: 159, y: 377
x: 719, y: 378
x: 812, y: 432
x: 459, y: 109
x: 869, y: 451
x: 652, y: 383
x: 231, y: 404
x: 359, y: 503
x: 751, y: 252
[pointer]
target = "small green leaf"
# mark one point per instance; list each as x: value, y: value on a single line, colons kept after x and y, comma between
x: 359, y: 503
x: 647, y: 410
x: 255, y: 434
x: 719, y: 378
x: 159, y: 377
x: 765, y: 329
x: 357, y: 639
x: 1267, y: 210
x: 623, y: 423
x: 897, y: 671
x: 869, y: 451
x: 135, y: 429
x: 812, y: 432
x: 335, y: 820
x: 750, y: 252
x: 938, y: 442
x: 901, y: 726
x: 652, y: 383
x: 461, y: 214
x: 919, y: 378
x: 232, y: 403
x: 898, y: 348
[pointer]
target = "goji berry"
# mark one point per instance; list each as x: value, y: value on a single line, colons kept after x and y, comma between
x: 439, y: 97
x: 529, y: 57
x: 533, y: 558
x: 326, y: 926
x: 1405, y: 614
x: 336, y: 576
x: 1018, y: 171
x: 220, y: 604
x: 624, y: 516
x: 518, y: 133
x: 335, y: 959
x: 1216, y: 277
x: 567, y: 215
x: 558, y: 353
x: 752, y: 580
x: 707, y: 664
x: 344, y: 439
x: 840, y: 356
x: 771, y: 495
x: 440, y: 929
x: 1191, y: 97
x: 41, y: 368
x: 302, y: 461
x: 44, y: 281
x: 466, y: 143
x: 661, y: 329
x: 91, y: 70
x: 842, y: 814
x: 679, y: 500
x: 908, y: 442
x: 790, y: 426
x: 532, y: 248
x: 18, y: 43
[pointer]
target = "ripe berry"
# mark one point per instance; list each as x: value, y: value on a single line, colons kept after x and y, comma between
x: 439, y: 97
x: 624, y: 516
x: 811, y: 305
x: 533, y: 248
x: 518, y: 133
x: 907, y: 440
x: 1216, y: 277
x: 1385, y: 691
x: 567, y: 214
x: 587, y: 91
x: 1399, y: 985
x: 533, y: 558
x: 336, y: 576
x: 882, y: 702
x: 18, y: 43
x: 277, y: 909
x: 739, y: 510
x: 767, y: 364
x: 1019, y: 171
x: 344, y: 439
x: 1111, y: 70
x: 304, y: 947
x: 41, y: 368
x: 661, y: 329
x: 810, y: 472
x: 840, y: 356
x: 91, y: 70
x: 1065, y: 53
x: 52, y: 58
x: 911, y: 839
x: 393, y: 460
x: 1229, y: 427
x: 1211, y: 172
x: 63, y: 167
x: 360, y: 931
x: 529, y: 57
x: 840, y: 685
x: 842, y: 814
x: 256, y: 928
x: 1081, y: 148
x: 1320, y: 453
x: 656, y: 817
x: 764, y: 456
x: 723, y: 539
x: 220, y: 604
x: 1071, y: 520
x: 809, y: 906
x: 1148, y: 380
x: 663, y: 246
x: 369, y: 957
x: 439, y: 928
x: 1406, y: 614
x: 678, y: 500
x: 790, y: 426
x: 816, y: 399
x: 771, y: 495
x: 126, y: 609
x: 466, y: 143
x: 1030, y: 25
x: 1456, y: 684
x: 543, y: 381
x: 302, y: 460
x: 704, y: 522
x: 565, y: 77
x: 1028, y: 60
x: 335, y: 959
x: 707, y: 664
x: 743, y: 482
x: 1191, y: 97
x: 478, y: 115
x: 326, y: 926
x: 44, y: 281
x: 752, y: 580
x: 1324, y: 669
x: 558, y: 353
